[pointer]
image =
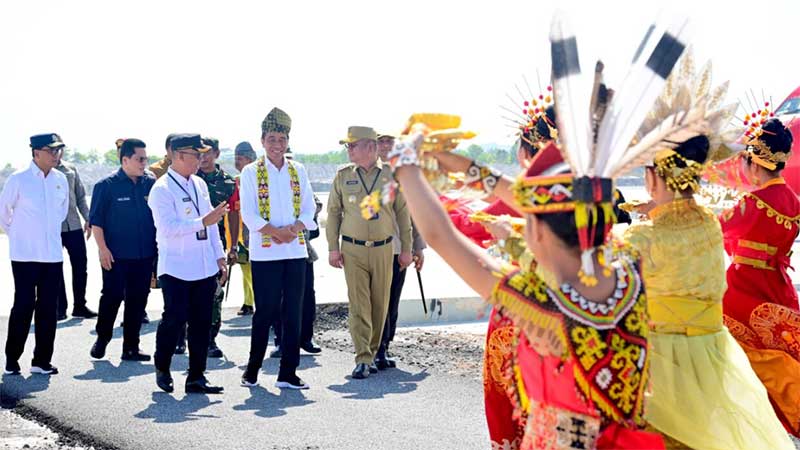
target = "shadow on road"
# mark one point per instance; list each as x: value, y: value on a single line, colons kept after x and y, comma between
x: 395, y: 381
x: 168, y: 409
x: 266, y: 404
x: 106, y: 372
x: 147, y: 328
x: 16, y: 387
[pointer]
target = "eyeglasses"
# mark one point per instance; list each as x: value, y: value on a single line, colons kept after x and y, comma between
x: 53, y: 151
x: 194, y: 155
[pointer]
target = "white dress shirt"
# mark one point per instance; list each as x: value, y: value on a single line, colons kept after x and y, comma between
x: 281, y: 209
x: 180, y: 253
x: 32, y: 208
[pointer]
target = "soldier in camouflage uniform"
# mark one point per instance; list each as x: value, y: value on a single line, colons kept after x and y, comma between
x: 221, y: 187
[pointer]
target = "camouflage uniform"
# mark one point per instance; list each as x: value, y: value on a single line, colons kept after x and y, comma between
x: 221, y: 187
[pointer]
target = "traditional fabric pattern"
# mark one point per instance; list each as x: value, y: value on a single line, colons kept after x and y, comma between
x: 777, y: 327
x: 499, y: 347
x: 772, y: 213
x: 262, y: 178
x: 554, y: 428
x: 612, y: 357
x: 544, y: 194
x: 277, y: 121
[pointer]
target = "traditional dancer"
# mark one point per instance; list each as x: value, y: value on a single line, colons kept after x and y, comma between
x: 760, y: 304
x: 580, y: 367
x: 703, y: 393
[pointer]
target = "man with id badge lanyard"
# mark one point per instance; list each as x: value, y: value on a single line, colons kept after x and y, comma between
x: 366, y: 251
x: 190, y: 256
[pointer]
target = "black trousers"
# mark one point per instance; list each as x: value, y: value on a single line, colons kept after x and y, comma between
x: 278, y: 292
x: 185, y: 302
x: 398, y: 280
x: 309, y: 313
x: 76, y: 249
x: 35, y: 297
x: 129, y: 280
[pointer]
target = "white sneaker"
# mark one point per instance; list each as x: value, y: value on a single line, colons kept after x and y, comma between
x: 295, y: 383
x: 44, y: 370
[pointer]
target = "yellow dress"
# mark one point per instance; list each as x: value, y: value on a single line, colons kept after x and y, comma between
x: 703, y: 392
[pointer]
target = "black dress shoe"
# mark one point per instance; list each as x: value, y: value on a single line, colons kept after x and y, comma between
x: 180, y: 348
x: 164, y: 381
x: 135, y: 355
x: 61, y: 316
x: 98, y: 349
x: 84, y: 313
x: 12, y: 368
x: 361, y: 371
x: 201, y: 386
x: 291, y: 382
x: 373, y: 368
x: 245, y: 311
x: 250, y: 378
x: 276, y: 353
x: 383, y: 363
x: 145, y: 319
x: 309, y: 347
x: 214, y: 351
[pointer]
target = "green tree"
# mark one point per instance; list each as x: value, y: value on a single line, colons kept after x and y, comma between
x: 110, y: 157
x: 474, y: 151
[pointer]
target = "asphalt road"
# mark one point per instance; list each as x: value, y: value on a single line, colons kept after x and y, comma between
x: 118, y: 403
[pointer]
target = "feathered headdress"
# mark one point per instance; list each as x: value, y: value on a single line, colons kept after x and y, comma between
x: 595, y: 141
x: 688, y: 107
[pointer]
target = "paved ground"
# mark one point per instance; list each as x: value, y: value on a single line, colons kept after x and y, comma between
x: 118, y: 403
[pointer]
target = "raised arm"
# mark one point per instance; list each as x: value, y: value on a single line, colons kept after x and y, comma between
x: 453, y: 162
x: 470, y: 261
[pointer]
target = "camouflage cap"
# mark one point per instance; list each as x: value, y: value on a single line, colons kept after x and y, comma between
x: 211, y: 142
x: 278, y: 121
x: 245, y: 149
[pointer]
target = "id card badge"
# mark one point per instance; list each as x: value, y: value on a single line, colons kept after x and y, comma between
x: 376, y: 216
x: 202, y: 235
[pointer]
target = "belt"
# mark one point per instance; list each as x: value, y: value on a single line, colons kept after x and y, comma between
x: 367, y: 243
x: 760, y: 255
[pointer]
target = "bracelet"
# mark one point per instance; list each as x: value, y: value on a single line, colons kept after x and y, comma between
x: 403, y: 154
x: 481, y: 177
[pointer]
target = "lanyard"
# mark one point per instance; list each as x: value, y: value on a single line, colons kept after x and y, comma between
x: 196, y: 201
x: 369, y: 191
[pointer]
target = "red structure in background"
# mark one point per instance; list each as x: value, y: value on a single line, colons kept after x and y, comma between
x: 789, y: 113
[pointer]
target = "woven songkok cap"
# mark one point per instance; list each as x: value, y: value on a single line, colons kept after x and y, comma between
x: 277, y: 121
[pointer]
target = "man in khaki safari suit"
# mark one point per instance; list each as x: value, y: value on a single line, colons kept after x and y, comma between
x: 366, y: 251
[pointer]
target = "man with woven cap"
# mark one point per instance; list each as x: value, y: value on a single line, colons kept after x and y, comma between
x: 190, y: 258
x: 366, y: 251
x: 277, y: 205
x: 240, y: 253
x: 382, y: 359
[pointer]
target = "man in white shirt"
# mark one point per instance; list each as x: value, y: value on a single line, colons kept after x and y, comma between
x: 33, y: 204
x: 190, y: 256
x: 277, y: 204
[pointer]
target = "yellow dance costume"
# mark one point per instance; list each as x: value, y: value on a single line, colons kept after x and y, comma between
x: 703, y: 392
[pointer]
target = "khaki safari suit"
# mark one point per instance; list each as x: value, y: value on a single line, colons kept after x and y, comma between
x: 368, y: 267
